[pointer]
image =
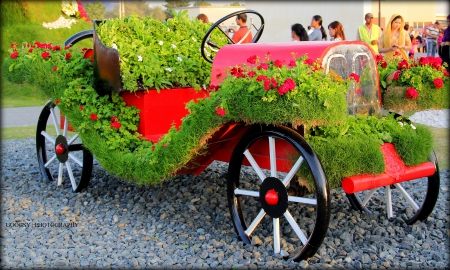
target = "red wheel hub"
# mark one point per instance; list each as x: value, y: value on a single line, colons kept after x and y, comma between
x: 60, y: 149
x: 271, y: 197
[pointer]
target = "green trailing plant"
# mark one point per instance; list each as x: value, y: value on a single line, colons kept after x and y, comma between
x: 261, y: 91
x: 159, y: 54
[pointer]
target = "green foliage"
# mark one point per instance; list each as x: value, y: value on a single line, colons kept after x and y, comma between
x: 171, y: 4
x: 352, y: 148
x: 201, y: 3
x: 236, y: 4
x: 169, y: 57
x: 95, y: 11
x: 425, y: 76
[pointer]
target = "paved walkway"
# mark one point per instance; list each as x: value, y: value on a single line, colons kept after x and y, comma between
x: 21, y: 117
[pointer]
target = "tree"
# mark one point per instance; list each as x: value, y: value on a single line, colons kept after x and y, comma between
x: 95, y: 10
x: 171, y: 4
x: 201, y: 3
x: 157, y: 13
x: 236, y: 4
x: 140, y: 8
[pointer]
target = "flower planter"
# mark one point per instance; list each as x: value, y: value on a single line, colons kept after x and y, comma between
x: 429, y: 97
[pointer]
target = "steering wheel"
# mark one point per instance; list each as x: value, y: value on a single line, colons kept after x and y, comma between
x: 208, y: 44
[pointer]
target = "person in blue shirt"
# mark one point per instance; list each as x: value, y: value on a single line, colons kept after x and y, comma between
x: 319, y: 33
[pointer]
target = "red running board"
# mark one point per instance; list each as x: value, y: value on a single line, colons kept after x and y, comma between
x: 396, y: 172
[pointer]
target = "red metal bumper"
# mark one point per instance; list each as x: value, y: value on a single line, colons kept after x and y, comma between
x: 396, y: 172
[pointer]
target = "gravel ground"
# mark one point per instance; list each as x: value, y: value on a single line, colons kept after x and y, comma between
x: 185, y: 223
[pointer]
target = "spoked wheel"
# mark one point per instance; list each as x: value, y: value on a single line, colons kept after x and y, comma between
x: 414, y: 200
x: 209, y: 47
x: 265, y: 194
x: 61, y: 152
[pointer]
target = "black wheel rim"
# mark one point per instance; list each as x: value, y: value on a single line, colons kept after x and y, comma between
x: 301, y: 228
x: 62, y: 158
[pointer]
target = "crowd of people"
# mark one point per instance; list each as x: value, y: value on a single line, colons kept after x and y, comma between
x: 396, y: 38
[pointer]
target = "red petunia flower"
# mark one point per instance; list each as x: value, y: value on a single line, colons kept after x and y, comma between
x: 411, y: 93
x: 54, y: 68
x: 397, y: 75
x: 81, y: 107
x: 237, y: 72
x: 359, y: 91
x: 292, y: 64
x: 379, y: 57
x: 213, y: 88
x: 67, y: 47
x: 308, y: 61
x: 264, y: 66
x: 14, y: 55
x: 220, y: 111
x: 288, y: 85
x: 13, y: 45
x: 384, y: 64
x: 446, y: 73
x: 68, y: 55
x: 93, y: 116
x: 89, y: 53
x: 165, y: 145
x: 261, y: 78
x: 56, y: 48
x: 354, y: 76
x: 153, y: 148
x: 57, y: 101
x: 45, y: 55
x: 115, y: 119
x: 115, y: 125
x: 438, y: 82
x: 30, y: 50
x: 403, y: 64
x: 397, y: 53
x: 251, y: 74
x: 278, y: 63
x: 252, y: 59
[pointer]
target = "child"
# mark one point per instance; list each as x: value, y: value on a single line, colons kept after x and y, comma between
x: 414, y: 44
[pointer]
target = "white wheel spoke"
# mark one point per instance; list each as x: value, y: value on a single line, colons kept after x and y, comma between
x: 296, y: 228
x: 255, y: 165
x: 273, y: 157
x: 48, y: 137
x: 55, y: 121
x: 407, y: 196
x: 74, y: 158
x: 66, y: 126
x: 293, y: 171
x: 72, y: 179
x: 72, y: 139
x: 246, y: 192
x: 255, y: 222
x: 60, y: 173
x: 366, y: 200
x: 389, y: 202
x: 50, y: 161
x: 302, y: 200
x: 276, y: 235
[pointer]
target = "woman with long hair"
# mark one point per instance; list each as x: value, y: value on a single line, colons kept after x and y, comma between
x: 336, y: 31
x: 299, y: 33
x: 319, y: 33
x: 395, y: 39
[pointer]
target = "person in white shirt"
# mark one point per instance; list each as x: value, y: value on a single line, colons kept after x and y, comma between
x: 336, y: 31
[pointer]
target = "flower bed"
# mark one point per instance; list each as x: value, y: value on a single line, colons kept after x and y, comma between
x: 261, y: 91
x: 416, y: 84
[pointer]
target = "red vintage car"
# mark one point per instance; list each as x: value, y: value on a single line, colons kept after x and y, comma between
x: 262, y: 172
